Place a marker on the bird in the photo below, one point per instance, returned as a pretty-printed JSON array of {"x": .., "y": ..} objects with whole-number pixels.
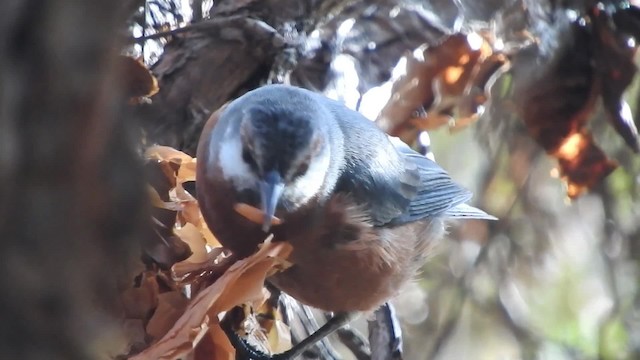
[{"x": 361, "y": 209}]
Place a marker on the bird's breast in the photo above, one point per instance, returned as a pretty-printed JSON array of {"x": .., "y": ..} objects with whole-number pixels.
[{"x": 342, "y": 263}]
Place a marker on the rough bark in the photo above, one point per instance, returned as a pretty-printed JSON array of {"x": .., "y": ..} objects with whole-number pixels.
[
  {"x": 248, "y": 43},
  {"x": 213, "y": 62}
]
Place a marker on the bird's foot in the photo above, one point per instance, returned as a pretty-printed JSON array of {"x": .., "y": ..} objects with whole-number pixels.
[{"x": 249, "y": 352}]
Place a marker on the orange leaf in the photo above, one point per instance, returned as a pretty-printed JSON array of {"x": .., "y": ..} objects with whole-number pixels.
[{"x": 138, "y": 80}]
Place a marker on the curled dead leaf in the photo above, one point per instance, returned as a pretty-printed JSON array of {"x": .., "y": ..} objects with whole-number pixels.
[
  {"x": 215, "y": 282},
  {"x": 171, "y": 305},
  {"x": 214, "y": 345},
  {"x": 192, "y": 236},
  {"x": 138, "y": 81},
  {"x": 242, "y": 283},
  {"x": 139, "y": 302},
  {"x": 180, "y": 270},
  {"x": 167, "y": 153},
  {"x": 582, "y": 164},
  {"x": 447, "y": 80}
]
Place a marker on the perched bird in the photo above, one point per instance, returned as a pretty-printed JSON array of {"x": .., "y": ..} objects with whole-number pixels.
[{"x": 361, "y": 209}]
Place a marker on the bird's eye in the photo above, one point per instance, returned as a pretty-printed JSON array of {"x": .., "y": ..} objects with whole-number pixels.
[{"x": 248, "y": 158}]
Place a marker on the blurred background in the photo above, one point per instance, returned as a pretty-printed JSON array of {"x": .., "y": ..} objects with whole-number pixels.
[
  {"x": 530, "y": 104},
  {"x": 555, "y": 278}
]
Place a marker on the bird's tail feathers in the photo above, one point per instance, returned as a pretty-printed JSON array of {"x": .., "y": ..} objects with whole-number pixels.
[{"x": 464, "y": 211}]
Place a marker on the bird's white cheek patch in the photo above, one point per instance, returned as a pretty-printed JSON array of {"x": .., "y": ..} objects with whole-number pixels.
[
  {"x": 234, "y": 169},
  {"x": 310, "y": 184}
]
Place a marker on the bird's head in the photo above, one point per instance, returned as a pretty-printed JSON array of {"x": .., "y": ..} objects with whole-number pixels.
[{"x": 279, "y": 154}]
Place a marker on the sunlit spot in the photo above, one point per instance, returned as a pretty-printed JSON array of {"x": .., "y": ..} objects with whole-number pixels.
[
  {"x": 418, "y": 54},
  {"x": 625, "y": 112},
  {"x": 572, "y": 146},
  {"x": 400, "y": 69},
  {"x": 574, "y": 190},
  {"x": 572, "y": 15},
  {"x": 345, "y": 85},
  {"x": 395, "y": 11},
  {"x": 631, "y": 42},
  {"x": 374, "y": 100},
  {"x": 475, "y": 41},
  {"x": 452, "y": 74},
  {"x": 424, "y": 139},
  {"x": 345, "y": 27}
]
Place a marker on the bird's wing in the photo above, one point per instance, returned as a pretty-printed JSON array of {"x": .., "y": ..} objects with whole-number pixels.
[
  {"x": 396, "y": 194},
  {"x": 438, "y": 194}
]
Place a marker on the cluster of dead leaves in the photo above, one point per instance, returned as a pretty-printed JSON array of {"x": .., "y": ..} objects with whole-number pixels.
[
  {"x": 444, "y": 84},
  {"x": 448, "y": 84},
  {"x": 189, "y": 281},
  {"x": 592, "y": 61}
]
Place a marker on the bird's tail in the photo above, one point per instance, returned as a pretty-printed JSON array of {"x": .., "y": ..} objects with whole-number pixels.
[{"x": 464, "y": 211}]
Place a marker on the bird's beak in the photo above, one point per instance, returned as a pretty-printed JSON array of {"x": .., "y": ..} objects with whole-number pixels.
[{"x": 270, "y": 190}]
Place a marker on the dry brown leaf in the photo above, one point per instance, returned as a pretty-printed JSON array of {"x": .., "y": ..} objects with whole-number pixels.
[
  {"x": 139, "y": 302},
  {"x": 214, "y": 346},
  {"x": 207, "y": 234},
  {"x": 190, "y": 213},
  {"x": 171, "y": 305},
  {"x": 242, "y": 283},
  {"x": 582, "y": 164},
  {"x": 187, "y": 171},
  {"x": 155, "y": 197},
  {"x": 180, "y": 270},
  {"x": 178, "y": 167},
  {"x": 192, "y": 236},
  {"x": 277, "y": 333},
  {"x": 444, "y": 79},
  {"x": 157, "y": 201},
  {"x": 167, "y": 153},
  {"x": 179, "y": 194},
  {"x": 138, "y": 80}
]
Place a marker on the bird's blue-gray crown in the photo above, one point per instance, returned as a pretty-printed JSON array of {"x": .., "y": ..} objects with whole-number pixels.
[{"x": 278, "y": 139}]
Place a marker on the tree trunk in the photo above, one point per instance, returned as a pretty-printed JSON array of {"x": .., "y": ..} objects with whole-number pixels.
[{"x": 70, "y": 186}]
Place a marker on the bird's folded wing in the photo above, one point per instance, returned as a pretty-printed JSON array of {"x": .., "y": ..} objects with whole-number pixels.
[
  {"x": 438, "y": 194},
  {"x": 396, "y": 194}
]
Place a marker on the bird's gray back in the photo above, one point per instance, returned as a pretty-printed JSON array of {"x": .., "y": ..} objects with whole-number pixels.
[{"x": 374, "y": 173}]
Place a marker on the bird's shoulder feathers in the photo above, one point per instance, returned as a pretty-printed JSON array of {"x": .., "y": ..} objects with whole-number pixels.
[{"x": 398, "y": 184}]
